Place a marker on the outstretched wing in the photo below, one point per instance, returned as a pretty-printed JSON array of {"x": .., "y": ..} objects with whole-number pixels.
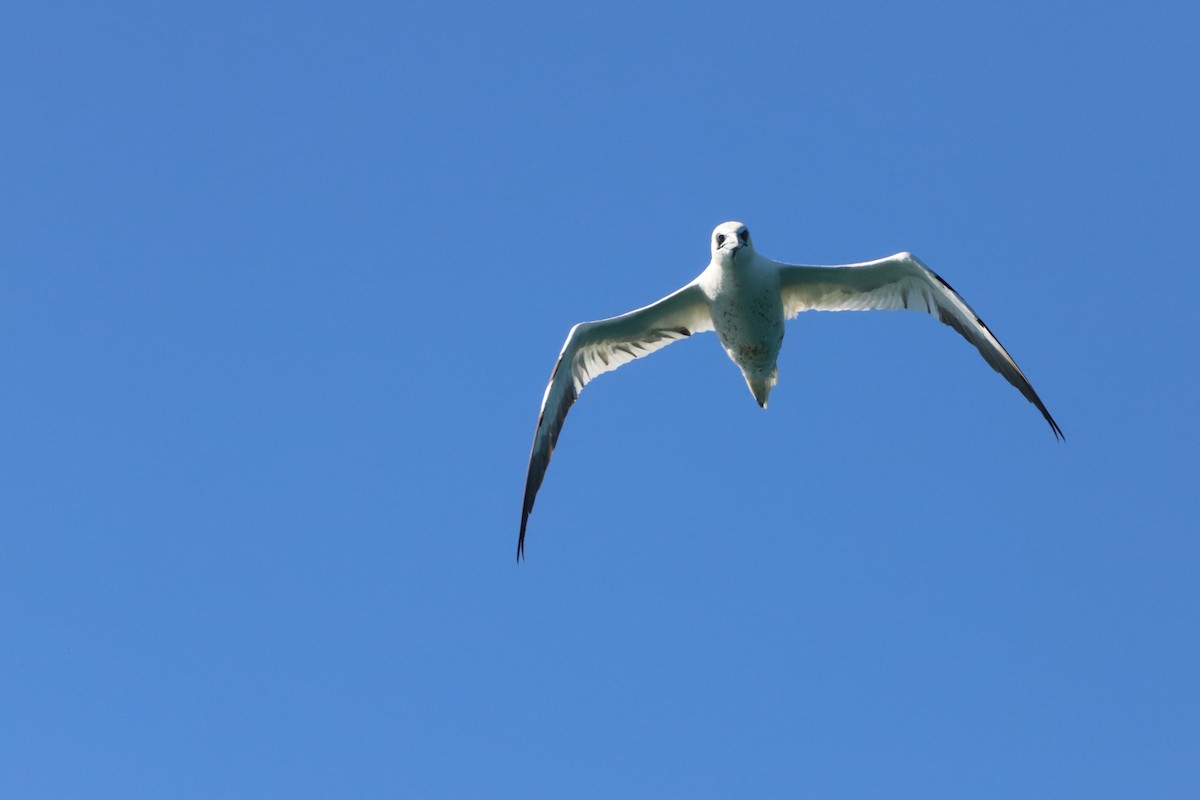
[
  {"x": 593, "y": 348},
  {"x": 900, "y": 282}
]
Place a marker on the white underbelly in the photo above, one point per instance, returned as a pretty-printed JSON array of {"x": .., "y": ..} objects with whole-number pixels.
[{"x": 750, "y": 327}]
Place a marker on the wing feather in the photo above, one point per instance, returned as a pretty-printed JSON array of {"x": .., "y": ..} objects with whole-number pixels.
[
  {"x": 898, "y": 282},
  {"x": 593, "y": 348}
]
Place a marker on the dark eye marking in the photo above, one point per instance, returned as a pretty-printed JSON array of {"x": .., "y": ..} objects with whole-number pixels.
[
  {"x": 744, "y": 235},
  {"x": 720, "y": 239}
]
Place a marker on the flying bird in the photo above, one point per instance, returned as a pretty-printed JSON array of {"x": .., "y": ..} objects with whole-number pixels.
[{"x": 745, "y": 298}]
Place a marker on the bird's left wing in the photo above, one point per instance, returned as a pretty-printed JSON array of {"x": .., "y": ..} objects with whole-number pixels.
[
  {"x": 900, "y": 282},
  {"x": 593, "y": 348}
]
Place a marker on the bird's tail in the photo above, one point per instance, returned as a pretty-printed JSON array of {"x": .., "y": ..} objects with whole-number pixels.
[{"x": 761, "y": 385}]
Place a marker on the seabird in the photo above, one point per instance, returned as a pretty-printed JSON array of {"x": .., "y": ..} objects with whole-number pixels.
[{"x": 745, "y": 298}]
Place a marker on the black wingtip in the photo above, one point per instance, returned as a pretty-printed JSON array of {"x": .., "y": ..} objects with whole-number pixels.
[
  {"x": 521, "y": 539},
  {"x": 1058, "y": 434}
]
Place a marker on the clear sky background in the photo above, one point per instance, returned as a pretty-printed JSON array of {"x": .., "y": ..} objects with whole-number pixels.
[{"x": 281, "y": 285}]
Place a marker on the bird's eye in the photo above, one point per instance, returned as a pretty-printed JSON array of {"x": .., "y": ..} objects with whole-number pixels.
[
  {"x": 720, "y": 239},
  {"x": 744, "y": 235}
]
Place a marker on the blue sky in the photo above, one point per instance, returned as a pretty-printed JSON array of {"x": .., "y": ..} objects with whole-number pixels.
[{"x": 281, "y": 286}]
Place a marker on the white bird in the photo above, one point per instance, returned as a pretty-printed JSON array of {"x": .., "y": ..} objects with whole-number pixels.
[{"x": 745, "y": 298}]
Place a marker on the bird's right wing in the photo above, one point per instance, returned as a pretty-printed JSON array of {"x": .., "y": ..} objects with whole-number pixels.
[{"x": 593, "y": 348}]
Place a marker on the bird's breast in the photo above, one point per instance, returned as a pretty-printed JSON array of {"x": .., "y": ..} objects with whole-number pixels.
[{"x": 749, "y": 322}]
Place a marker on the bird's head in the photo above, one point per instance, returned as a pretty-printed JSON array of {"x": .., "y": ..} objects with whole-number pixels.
[{"x": 729, "y": 241}]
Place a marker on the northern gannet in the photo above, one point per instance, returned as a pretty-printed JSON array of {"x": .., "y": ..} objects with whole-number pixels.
[{"x": 745, "y": 298}]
